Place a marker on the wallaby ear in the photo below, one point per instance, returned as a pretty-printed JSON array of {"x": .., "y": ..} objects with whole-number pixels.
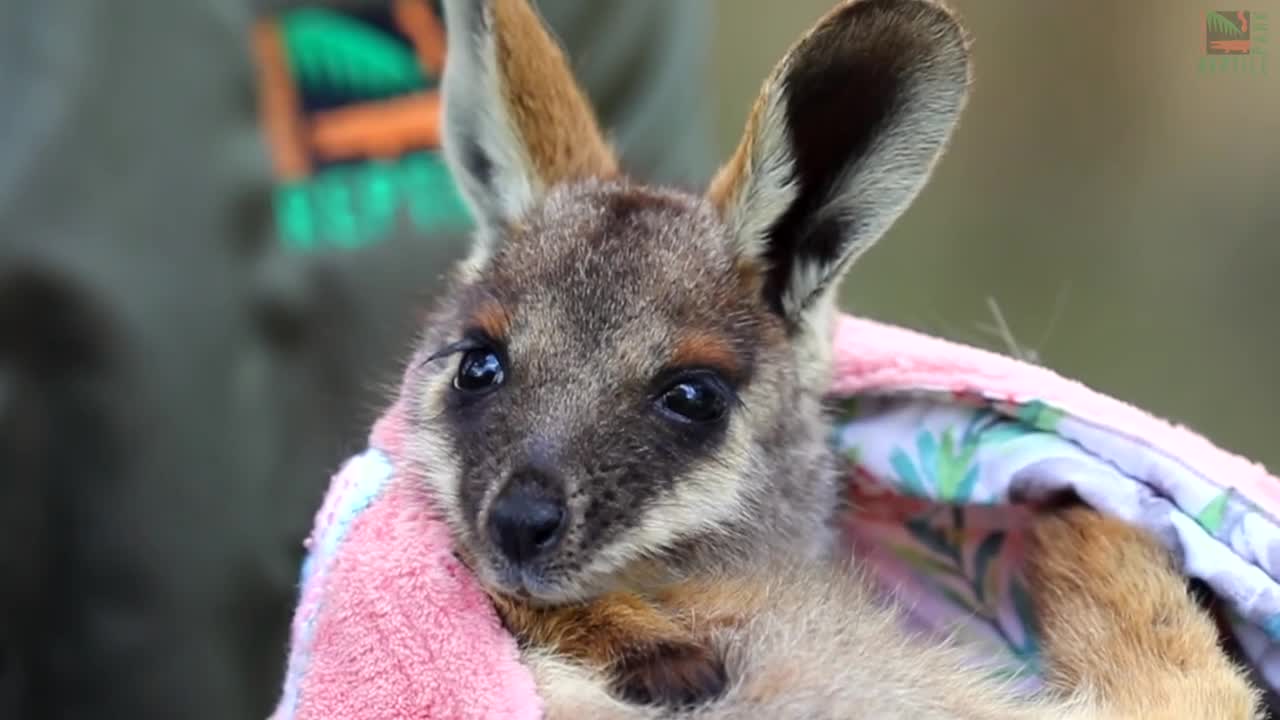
[
  {"x": 515, "y": 121},
  {"x": 842, "y": 137}
]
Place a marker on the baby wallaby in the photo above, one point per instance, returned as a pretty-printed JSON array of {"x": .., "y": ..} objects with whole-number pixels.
[{"x": 618, "y": 408}]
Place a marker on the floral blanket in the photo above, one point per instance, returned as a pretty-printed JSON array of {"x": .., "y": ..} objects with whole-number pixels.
[{"x": 937, "y": 486}]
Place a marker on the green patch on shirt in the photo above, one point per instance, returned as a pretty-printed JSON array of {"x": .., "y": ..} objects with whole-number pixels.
[{"x": 350, "y": 108}]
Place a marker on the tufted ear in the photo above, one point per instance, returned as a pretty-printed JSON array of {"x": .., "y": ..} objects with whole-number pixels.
[
  {"x": 843, "y": 135},
  {"x": 515, "y": 121}
]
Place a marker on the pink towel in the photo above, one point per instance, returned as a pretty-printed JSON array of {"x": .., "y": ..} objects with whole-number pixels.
[{"x": 391, "y": 627}]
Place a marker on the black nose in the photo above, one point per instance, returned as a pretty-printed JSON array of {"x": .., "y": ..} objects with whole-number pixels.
[{"x": 526, "y": 523}]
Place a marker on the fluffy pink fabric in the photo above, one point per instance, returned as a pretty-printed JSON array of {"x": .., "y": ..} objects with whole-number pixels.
[
  {"x": 391, "y": 626},
  {"x": 407, "y": 633},
  {"x": 872, "y": 357}
]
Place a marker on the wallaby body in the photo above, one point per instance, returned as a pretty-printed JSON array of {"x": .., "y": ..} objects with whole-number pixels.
[
  {"x": 1123, "y": 641},
  {"x": 618, "y": 409}
]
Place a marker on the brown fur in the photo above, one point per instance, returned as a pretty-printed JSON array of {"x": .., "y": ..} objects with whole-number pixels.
[
  {"x": 491, "y": 318},
  {"x": 694, "y": 569},
  {"x": 549, "y": 110},
  {"x": 695, "y": 349},
  {"x": 1119, "y": 623},
  {"x": 726, "y": 186},
  {"x": 644, "y": 647},
  {"x": 803, "y": 643}
]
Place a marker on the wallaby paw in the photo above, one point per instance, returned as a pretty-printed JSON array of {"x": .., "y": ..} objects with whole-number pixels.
[
  {"x": 1080, "y": 551},
  {"x": 675, "y": 675},
  {"x": 1096, "y": 580},
  {"x": 1116, "y": 617}
]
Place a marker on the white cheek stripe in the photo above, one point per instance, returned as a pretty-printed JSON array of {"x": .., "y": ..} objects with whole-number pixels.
[{"x": 706, "y": 498}]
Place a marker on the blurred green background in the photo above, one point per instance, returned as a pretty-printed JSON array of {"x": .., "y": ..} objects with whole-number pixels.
[{"x": 1119, "y": 204}]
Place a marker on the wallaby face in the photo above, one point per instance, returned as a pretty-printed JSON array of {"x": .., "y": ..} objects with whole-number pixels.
[{"x": 625, "y": 383}]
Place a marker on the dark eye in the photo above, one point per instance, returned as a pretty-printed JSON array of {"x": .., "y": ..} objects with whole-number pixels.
[
  {"x": 694, "y": 400},
  {"x": 480, "y": 370}
]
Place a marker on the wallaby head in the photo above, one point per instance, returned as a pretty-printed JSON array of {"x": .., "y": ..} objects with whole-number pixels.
[{"x": 626, "y": 380}]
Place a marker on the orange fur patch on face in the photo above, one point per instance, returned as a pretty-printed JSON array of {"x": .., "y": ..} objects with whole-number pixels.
[
  {"x": 548, "y": 109},
  {"x": 493, "y": 319},
  {"x": 705, "y": 349}
]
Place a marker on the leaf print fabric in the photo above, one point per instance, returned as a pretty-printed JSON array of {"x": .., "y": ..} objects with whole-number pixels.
[{"x": 937, "y": 485}]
